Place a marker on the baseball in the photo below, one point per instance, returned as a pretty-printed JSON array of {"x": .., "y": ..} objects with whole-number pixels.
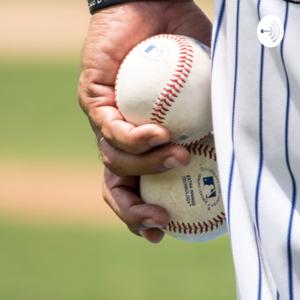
[
  {"x": 166, "y": 80},
  {"x": 191, "y": 195}
]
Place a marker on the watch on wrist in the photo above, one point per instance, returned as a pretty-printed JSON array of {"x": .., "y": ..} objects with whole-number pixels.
[{"x": 95, "y": 5}]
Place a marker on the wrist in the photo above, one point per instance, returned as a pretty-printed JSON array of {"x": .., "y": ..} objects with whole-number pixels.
[
  {"x": 130, "y": 11},
  {"x": 97, "y": 5}
]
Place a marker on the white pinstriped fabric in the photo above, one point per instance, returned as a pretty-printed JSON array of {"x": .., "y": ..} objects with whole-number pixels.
[{"x": 256, "y": 115}]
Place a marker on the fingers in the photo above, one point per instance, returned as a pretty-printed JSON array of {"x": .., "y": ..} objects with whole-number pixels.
[
  {"x": 121, "y": 194},
  {"x": 155, "y": 161},
  {"x": 107, "y": 120},
  {"x": 153, "y": 235},
  {"x": 125, "y": 136},
  {"x": 98, "y": 102},
  {"x": 93, "y": 94}
]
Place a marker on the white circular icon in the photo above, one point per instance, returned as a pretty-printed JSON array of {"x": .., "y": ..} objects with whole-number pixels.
[{"x": 270, "y": 31}]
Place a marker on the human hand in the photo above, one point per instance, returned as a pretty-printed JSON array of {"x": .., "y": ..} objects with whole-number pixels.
[{"x": 126, "y": 150}]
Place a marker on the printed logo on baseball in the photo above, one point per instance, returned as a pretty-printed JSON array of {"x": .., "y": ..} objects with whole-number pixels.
[
  {"x": 191, "y": 194},
  {"x": 166, "y": 80}
]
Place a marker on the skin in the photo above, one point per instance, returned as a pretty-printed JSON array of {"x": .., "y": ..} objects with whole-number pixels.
[{"x": 129, "y": 151}]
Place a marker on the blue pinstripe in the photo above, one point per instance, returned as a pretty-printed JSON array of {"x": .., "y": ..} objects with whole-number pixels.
[
  {"x": 261, "y": 160},
  {"x": 231, "y": 173},
  {"x": 218, "y": 27},
  {"x": 293, "y": 197},
  {"x": 232, "y": 163},
  {"x": 259, "y": 266},
  {"x": 258, "y": 9},
  {"x": 261, "y": 145},
  {"x": 287, "y": 158}
]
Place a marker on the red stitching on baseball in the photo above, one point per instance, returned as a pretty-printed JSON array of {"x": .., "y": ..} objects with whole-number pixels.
[
  {"x": 205, "y": 226},
  {"x": 165, "y": 109},
  {"x": 174, "y": 86},
  {"x": 197, "y": 147},
  {"x": 179, "y": 227},
  {"x": 197, "y": 228},
  {"x": 177, "y": 80},
  {"x": 200, "y": 227},
  {"x": 166, "y": 102},
  {"x": 171, "y": 92},
  {"x": 157, "y": 110}
]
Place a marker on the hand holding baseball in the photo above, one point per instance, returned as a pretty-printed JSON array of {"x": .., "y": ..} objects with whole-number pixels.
[{"x": 113, "y": 32}]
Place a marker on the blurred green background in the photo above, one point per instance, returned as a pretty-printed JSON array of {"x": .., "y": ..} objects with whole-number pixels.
[{"x": 57, "y": 239}]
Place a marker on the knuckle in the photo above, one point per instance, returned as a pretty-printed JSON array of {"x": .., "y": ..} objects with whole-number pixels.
[
  {"x": 81, "y": 98},
  {"x": 89, "y": 88},
  {"x": 113, "y": 159},
  {"x": 106, "y": 133},
  {"x": 86, "y": 76},
  {"x": 113, "y": 165},
  {"x": 107, "y": 161},
  {"x": 86, "y": 90},
  {"x": 86, "y": 99}
]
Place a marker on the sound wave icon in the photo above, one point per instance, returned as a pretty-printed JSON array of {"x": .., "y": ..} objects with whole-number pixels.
[
  {"x": 270, "y": 31},
  {"x": 273, "y": 31}
]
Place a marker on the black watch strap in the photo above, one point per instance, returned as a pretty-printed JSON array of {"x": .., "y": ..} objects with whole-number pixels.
[{"x": 95, "y": 5}]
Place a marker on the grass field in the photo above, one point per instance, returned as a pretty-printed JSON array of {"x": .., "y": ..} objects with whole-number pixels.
[
  {"x": 40, "y": 117},
  {"x": 41, "y": 121},
  {"x": 73, "y": 263}
]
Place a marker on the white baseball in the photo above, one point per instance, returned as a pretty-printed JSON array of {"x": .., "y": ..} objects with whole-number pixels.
[
  {"x": 166, "y": 80},
  {"x": 190, "y": 194}
]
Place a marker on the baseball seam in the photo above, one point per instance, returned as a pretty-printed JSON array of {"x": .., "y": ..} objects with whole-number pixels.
[
  {"x": 199, "y": 227},
  {"x": 198, "y": 148},
  {"x": 177, "y": 81}
]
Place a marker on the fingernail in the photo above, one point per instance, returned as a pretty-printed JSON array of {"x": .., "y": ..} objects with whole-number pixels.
[
  {"x": 171, "y": 162},
  {"x": 149, "y": 223},
  {"x": 155, "y": 141}
]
